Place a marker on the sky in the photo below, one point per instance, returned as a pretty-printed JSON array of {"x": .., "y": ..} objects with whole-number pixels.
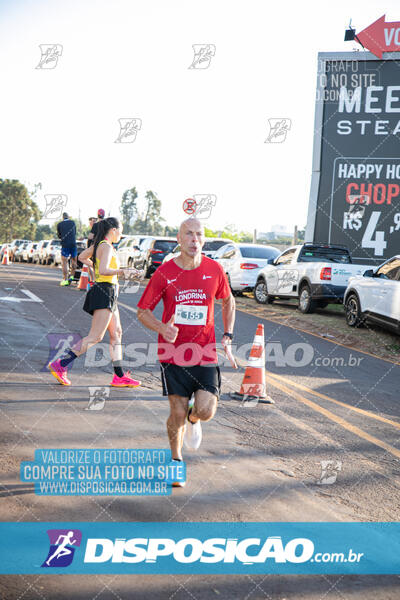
[{"x": 203, "y": 131}]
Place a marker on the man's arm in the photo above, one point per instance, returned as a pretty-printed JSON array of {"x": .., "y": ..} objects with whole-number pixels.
[
  {"x": 168, "y": 330},
  {"x": 228, "y": 313},
  {"x": 58, "y": 230}
]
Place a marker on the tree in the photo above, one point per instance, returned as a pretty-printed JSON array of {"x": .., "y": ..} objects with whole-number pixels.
[
  {"x": 153, "y": 214},
  {"x": 19, "y": 214},
  {"x": 129, "y": 209},
  {"x": 43, "y": 232}
]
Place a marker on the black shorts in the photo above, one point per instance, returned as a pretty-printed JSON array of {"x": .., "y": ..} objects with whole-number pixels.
[
  {"x": 101, "y": 295},
  {"x": 184, "y": 381}
]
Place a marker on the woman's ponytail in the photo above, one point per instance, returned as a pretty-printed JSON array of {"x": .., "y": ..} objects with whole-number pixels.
[{"x": 103, "y": 228}]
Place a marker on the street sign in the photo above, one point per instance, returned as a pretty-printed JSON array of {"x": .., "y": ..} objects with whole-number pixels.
[
  {"x": 355, "y": 188},
  {"x": 380, "y": 37}
]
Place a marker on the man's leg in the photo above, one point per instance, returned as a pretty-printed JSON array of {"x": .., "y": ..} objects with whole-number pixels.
[
  {"x": 205, "y": 406},
  {"x": 64, "y": 264},
  {"x": 176, "y": 423},
  {"x": 73, "y": 266}
]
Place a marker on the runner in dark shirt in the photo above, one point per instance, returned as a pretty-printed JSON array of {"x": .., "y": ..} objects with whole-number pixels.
[{"x": 66, "y": 231}]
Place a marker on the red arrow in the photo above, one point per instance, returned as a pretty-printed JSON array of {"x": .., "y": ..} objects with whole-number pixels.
[{"x": 381, "y": 37}]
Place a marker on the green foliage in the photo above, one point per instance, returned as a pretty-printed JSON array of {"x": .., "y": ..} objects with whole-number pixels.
[
  {"x": 19, "y": 214},
  {"x": 43, "y": 232},
  {"x": 129, "y": 210},
  {"x": 229, "y": 233}
]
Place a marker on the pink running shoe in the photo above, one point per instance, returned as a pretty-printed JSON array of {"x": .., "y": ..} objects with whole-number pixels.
[
  {"x": 59, "y": 372},
  {"x": 125, "y": 381}
]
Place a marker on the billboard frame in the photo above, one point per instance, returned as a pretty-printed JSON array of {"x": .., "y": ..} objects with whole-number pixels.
[{"x": 318, "y": 125}]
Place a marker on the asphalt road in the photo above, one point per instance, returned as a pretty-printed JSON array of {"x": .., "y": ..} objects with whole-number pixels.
[{"x": 260, "y": 462}]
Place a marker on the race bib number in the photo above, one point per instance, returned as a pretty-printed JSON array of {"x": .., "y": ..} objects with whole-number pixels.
[{"x": 186, "y": 314}]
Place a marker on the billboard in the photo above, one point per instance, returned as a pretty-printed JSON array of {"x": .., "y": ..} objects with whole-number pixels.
[{"x": 355, "y": 187}]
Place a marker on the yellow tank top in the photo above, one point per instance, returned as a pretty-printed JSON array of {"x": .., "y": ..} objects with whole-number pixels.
[{"x": 113, "y": 264}]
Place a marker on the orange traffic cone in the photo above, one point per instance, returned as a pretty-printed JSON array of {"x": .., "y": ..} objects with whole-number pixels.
[
  {"x": 84, "y": 278},
  {"x": 253, "y": 387},
  {"x": 6, "y": 260}
]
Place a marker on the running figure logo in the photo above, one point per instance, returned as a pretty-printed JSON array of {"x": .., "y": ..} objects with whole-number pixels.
[
  {"x": 98, "y": 397},
  {"x": 55, "y": 204},
  {"x": 61, "y": 551},
  {"x": 329, "y": 471},
  {"x": 278, "y": 130},
  {"x": 204, "y": 205},
  {"x": 50, "y": 55},
  {"x": 203, "y": 54},
  {"x": 59, "y": 343},
  {"x": 128, "y": 130}
]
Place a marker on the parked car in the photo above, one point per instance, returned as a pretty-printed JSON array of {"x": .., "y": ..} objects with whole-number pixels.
[
  {"x": 42, "y": 251},
  {"x": 375, "y": 296},
  {"x": 19, "y": 250},
  {"x": 243, "y": 262},
  {"x": 27, "y": 254},
  {"x": 316, "y": 274},
  {"x": 15, "y": 245},
  {"x": 49, "y": 254},
  {"x": 36, "y": 252},
  {"x": 152, "y": 253},
  {"x": 211, "y": 245},
  {"x": 129, "y": 251}
]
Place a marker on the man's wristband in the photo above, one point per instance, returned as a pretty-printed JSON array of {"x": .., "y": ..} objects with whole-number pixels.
[{"x": 229, "y": 335}]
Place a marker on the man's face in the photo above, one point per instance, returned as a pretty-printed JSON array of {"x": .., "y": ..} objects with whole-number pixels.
[
  {"x": 191, "y": 238},
  {"x": 91, "y": 222}
]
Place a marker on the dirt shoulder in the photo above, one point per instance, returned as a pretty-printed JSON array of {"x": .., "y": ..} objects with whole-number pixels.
[{"x": 328, "y": 323}]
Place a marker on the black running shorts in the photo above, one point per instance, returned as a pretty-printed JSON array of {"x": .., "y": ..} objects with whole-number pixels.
[
  {"x": 184, "y": 381},
  {"x": 101, "y": 295}
]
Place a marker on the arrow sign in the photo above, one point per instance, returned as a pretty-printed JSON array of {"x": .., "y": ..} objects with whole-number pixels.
[
  {"x": 381, "y": 37},
  {"x": 31, "y": 297}
]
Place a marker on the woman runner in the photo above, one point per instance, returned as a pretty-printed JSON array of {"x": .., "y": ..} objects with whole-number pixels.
[{"x": 101, "y": 303}]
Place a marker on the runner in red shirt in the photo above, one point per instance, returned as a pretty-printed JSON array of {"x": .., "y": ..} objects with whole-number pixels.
[{"x": 190, "y": 374}]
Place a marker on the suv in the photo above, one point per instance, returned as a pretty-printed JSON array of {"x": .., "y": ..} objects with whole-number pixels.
[
  {"x": 14, "y": 246},
  {"x": 375, "y": 296},
  {"x": 50, "y": 250},
  {"x": 153, "y": 251},
  {"x": 19, "y": 251}
]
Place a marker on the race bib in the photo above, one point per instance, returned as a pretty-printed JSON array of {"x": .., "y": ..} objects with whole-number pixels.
[{"x": 187, "y": 314}]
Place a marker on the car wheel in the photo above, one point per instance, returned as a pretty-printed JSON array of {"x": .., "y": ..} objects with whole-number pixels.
[
  {"x": 353, "y": 312},
  {"x": 261, "y": 293},
  {"x": 147, "y": 270},
  {"x": 306, "y": 303}
]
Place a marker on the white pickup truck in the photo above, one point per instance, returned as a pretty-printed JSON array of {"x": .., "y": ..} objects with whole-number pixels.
[{"x": 316, "y": 274}]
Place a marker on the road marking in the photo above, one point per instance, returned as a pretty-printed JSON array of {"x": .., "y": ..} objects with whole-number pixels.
[
  {"x": 366, "y": 413},
  {"x": 338, "y": 420},
  {"x": 31, "y": 297},
  {"x": 127, "y": 307}
]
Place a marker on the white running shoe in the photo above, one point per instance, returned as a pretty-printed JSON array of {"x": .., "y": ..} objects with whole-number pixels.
[{"x": 193, "y": 433}]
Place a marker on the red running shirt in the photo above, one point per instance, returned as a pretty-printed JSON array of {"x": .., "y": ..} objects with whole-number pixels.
[{"x": 189, "y": 294}]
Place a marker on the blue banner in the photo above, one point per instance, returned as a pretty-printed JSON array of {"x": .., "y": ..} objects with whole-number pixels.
[{"x": 215, "y": 548}]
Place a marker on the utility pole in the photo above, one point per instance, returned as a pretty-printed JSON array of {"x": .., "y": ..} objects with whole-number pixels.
[
  {"x": 295, "y": 236},
  {"x": 255, "y": 236}
]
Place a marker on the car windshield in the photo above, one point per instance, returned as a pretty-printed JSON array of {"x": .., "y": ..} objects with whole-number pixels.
[
  {"x": 213, "y": 246},
  {"x": 165, "y": 245},
  {"x": 320, "y": 254},
  {"x": 255, "y": 252}
]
